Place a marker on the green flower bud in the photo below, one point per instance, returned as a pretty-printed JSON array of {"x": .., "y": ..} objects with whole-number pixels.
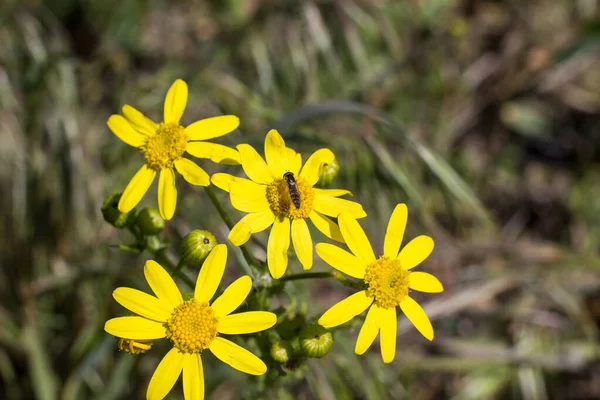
[
  {"x": 281, "y": 351},
  {"x": 113, "y": 216},
  {"x": 196, "y": 246},
  {"x": 315, "y": 341},
  {"x": 328, "y": 173},
  {"x": 150, "y": 222}
]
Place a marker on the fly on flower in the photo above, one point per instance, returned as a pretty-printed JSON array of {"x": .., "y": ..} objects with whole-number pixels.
[
  {"x": 280, "y": 193},
  {"x": 164, "y": 145},
  {"x": 192, "y": 325},
  {"x": 387, "y": 279}
]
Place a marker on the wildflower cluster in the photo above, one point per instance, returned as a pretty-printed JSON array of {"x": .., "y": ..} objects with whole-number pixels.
[{"x": 279, "y": 192}]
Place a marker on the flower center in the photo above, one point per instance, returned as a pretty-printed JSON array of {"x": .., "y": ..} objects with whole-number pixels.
[
  {"x": 166, "y": 146},
  {"x": 192, "y": 326},
  {"x": 281, "y": 198},
  {"x": 388, "y": 282}
]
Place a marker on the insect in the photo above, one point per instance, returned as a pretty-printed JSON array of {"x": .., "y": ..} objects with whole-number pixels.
[{"x": 289, "y": 179}]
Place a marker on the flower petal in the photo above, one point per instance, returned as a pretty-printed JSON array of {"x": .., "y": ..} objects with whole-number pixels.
[
  {"x": 293, "y": 161},
  {"x": 214, "y": 152},
  {"x": 124, "y": 131},
  {"x": 165, "y": 375},
  {"x": 369, "y": 330},
  {"x": 143, "y": 304},
  {"x": 387, "y": 340},
  {"x": 237, "y": 357},
  {"x": 193, "y": 377},
  {"x": 275, "y": 153},
  {"x": 346, "y": 309},
  {"x": 417, "y": 316},
  {"x": 248, "y": 196},
  {"x": 312, "y": 169},
  {"x": 191, "y": 172},
  {"x": 253, "y": 164},
  {"x": 213, "y": 127},
  {"x": 251, "y": 223},
  {"x": 211, "y": 273},
  {"x": 333, "y": 206},
  {"x": 137, "y": 188},
  {"x": 416, "y": 251},
  {"x": 139, "y": 121},
  {"x": 167, "y": 193},
  {"x": 395, "y": 231},
  {"x": 424, "y": 282},
  {"x": 162, "y": 284},
  {"x": 223, "y": 180},
  {"x": 138, "y": 328},
  {"x": 341, "y": 260},
  {"x": 302, "y": 243},
  {"x": 331, "y": 192},
  {"x": 232, "y": 297},
  {"x": 277, "y": 247},
  {"x": 246, "y": 322},
  {"x": 326, "y": 226},
  {"x": 175, "y": 101},
  {"x": 355, "y": 238}
]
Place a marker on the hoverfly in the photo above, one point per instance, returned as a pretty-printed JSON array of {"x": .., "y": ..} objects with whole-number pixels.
[{"x": 289, "y": 179}]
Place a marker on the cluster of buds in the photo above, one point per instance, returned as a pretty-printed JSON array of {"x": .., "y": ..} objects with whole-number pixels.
[{"x": 313, "y": 341}]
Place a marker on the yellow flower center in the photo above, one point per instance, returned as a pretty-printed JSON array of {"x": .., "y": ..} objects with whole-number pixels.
[
  {"x": 388, "y": 282},
  {"x": 192, "y": 326},
  {"x": 166, "y": 146},
  {"x": 280, "y": 199}
]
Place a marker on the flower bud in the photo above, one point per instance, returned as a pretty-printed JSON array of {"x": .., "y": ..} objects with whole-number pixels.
[
  {"x": 132, "y": 346},
  {"x": 315, "y": 341},
  {"x": 281, "y": 351},
  {"x": 328, "y": 173},
  {"x": 196, "y": 246},
  {"x": 113, "y": 216},
  {"x": 150, "y": 222}
]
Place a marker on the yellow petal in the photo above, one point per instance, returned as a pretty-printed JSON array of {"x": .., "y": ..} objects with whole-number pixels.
[
  {"x": 237, "y": 357},
  {"x": 162, "y": 284},
  {"x": 332, "y": 192},
  {"x": 165, "y": 375},
  {"x": 326, "y": 226},
  {"x": 251, "y": 223},
  {"x": 143, "y": 304},
  {"x": 416, "y": 251},
  {"x": 417, "y": 316},
  {"x": 124, "y": 131},
  {"x": 302, "y": 243},
  {"x": 223, "y": 181},
  {"x": 193, "y": 377},
  {"x": 211, "y": 273},
  {"x": 369, "y": 330},
  {"x": 138, "y": 328},
  {"x": 139, "y": 121},
  {"x": 424, "y": 282},
  {"x": 191, "y": 172},
  {"x": 312, "y": 169},
  {"x": 275, "y": 153},
  {"x": 341, "y": 260},
  {"x": 355, "y": 238},
  {"x": 248, "y": 196},
  {"x": 137, "y": 188},
  {"x": 387, "y": 340},
  {"x": 395, "y": 231},
  {"x": 277, "y": 247},
  {"x": 293, "y": 161},
  {"x": 232, "y": 297},
  {"x": 212, "y": 127},
  {"x": 333, "y": 206},
  {"x": 175, "y": 101},
  {"x": 346, "y": 309},
  {"x": 253, "y": 164},
  {"x": 246, "y": 322},
  {"x": 167, "y": 193},
  {"x": 214, "y": 152}
]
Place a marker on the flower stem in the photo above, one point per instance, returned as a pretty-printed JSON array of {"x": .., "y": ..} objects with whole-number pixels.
[
  {"x": 308, "y": 275},
  {"x": 161, "y": 258}
]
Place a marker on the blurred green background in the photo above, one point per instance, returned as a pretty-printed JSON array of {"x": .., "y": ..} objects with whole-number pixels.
[{"x": 482, "y": 115}]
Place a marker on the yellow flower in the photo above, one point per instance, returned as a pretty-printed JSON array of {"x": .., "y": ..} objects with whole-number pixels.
[
  {"x": 164, "y": 145},
  {"x": 285, "y": 202},
  {"x": 192, "y": 325},
  {"x": 387, "y": 279}
]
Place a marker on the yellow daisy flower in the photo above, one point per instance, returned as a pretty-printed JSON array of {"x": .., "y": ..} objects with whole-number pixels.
[
  {"x": 192, "y": 326},
  {"x": 164, "y": 145},
  {"x": 387, "y": 278},
  {"x": 280, "y": 193}
]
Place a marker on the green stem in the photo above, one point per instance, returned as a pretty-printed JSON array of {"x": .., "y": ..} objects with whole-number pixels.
[
  {"x": 308, "y": 275},
  {"x": 161, "y": 258},
  {"x": 177, "y": 268}
]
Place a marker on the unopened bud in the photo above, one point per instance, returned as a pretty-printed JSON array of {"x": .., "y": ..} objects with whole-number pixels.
[
  {"x": 150, "y": 222},
  {"x": 113, "y": 216},
  {"x": 315, "y": 340},
  {"x": 196, "y": 246},
  {"x": 281, "y": 351},
  {"x": 329, "y": 172}
]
